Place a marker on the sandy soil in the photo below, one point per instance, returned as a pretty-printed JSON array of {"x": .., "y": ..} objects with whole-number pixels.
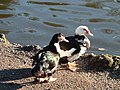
[{"x": 15, "y": 67}]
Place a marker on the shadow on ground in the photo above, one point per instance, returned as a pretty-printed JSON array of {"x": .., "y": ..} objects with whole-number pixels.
[
  {"x": 9, "y": 86},
  {"x": 13, "y": 74}
]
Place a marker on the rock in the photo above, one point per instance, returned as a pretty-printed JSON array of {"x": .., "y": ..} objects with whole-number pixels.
[
  {"x": 101, "y": 62},
  {"x": 30, "y": 48}
]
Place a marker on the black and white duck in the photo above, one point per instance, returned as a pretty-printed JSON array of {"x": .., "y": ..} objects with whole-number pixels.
[
  {"x": 77, "y": 45},
  {"x": 53, "y": 45},
  {"x": 46, "y": 61},
  {"x": 3, "y": 39}
]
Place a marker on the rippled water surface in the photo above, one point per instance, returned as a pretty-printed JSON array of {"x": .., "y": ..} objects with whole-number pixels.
[{"x": 35, "y": 21}]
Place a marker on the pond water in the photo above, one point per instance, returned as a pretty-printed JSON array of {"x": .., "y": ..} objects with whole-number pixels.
[{"x": 35, "y": 21}]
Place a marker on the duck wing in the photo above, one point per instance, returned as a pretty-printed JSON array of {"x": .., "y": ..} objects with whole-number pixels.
[{"x": 72, "y": 44}]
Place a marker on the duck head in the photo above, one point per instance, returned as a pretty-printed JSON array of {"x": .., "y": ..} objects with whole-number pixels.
[
  {"x": 58, "y": 37},
  {"x": 83, "y": 30}
]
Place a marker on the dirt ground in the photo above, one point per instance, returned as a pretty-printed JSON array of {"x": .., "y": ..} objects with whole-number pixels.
[{"x": 15, "y": 67}]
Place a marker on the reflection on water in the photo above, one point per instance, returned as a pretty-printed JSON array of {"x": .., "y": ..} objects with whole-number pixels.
[
  {"x": 53, "y": 24},
  {"x": 4, "y": 31},
  {"x": 93, "y": 5},
  {"x": 108, "y": 31},
  {"x": 35, "y": 21},
  {"x": 61, "y": 10},
  {"x": 4, "y": 4},
  {"x": 95, "y": 20},
  {"x": 5, "y": 15},
  {"x": 34, "y": 18},
  {"x": 114, "y": 12},
  {"x": 3, "y": 7},
  {"x": 48, "y": 3}
]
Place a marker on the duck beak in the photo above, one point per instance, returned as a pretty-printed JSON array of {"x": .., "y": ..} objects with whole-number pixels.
[
  {"x": 64, "y": 39},
  {"x": 90, "y": 34}
]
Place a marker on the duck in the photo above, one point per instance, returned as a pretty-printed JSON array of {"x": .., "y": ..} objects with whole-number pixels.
[
  {"x": 78, "y": 44},
  {"x": 3, "y": 39},
  {"x": 46, "y": 66},
  {"x": 53, "y": 46},
  {"x": 46, "y": 61}
]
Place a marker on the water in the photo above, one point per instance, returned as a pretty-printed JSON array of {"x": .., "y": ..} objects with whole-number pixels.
[{"x": 35, "y": 21}]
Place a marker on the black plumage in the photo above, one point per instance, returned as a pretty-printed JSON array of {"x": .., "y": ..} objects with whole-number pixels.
[
  {"x": 73, "y": 43},
  {"x": 46, "y": 65}
]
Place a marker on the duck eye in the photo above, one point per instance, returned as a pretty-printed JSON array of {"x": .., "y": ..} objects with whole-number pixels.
[
  {"x": 86, "y": 31},
  {"x": 61, "y": 35}
]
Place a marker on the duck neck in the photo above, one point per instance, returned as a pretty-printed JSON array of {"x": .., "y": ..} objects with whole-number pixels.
[
  {"x": 53, "y": 40},
  {"x": 83, "y": 40},
  {"x": 80, "y": 38},
  {"x": 57, "y": 46},
  {"x": 54, "y": 46},
  {"x": 76, "y": 36}
]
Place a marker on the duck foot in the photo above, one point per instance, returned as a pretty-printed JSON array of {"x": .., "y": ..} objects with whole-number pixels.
[
  {"x": 72, "y": 66},
  {"x": 44, "y": 80},
  {"x": 47, "y": 79},
  {"x": 51, "y": 79},
  {"x": 40, "y": 80}
]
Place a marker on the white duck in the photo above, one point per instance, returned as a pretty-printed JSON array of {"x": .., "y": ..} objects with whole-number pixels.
[{"x": 77, "y": 45}]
